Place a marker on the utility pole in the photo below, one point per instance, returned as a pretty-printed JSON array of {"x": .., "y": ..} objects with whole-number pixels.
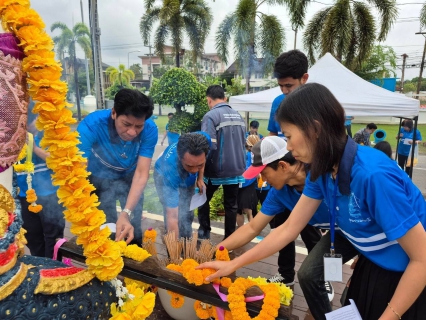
[
  {"x": 95, "y": 32},
  {"x": 86, "y": 63},
  {"x": 404, "y": 57},
  {"x": 419, "y": 83},
  {"x": 150, "y": 64}
]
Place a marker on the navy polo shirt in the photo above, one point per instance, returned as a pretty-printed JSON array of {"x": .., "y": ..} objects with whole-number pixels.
[
  {"x": 174, "y": 175},
  {"x": 404, "y": 149},
  {"x": 377, "y": 204},
  {"x": 277, "y": 201},
  {"x": 109, "y": 156},
  {"x": 273, "y": 125}
]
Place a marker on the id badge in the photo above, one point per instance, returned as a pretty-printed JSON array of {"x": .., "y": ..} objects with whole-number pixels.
[{"x": 333, "y": 267}]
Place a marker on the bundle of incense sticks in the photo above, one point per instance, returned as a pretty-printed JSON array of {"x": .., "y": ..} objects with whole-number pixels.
[
  {"x": 187, "y": 246},
  {"x": 206, "y": 251},
  {"x": 150, "y": 247}
]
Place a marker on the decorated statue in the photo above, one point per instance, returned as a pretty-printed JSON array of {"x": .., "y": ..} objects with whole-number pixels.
[{"x": 42, "y": 288}]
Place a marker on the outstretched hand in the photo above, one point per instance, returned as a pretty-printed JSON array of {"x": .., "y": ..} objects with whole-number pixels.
[
  {"x": 223, "y": 268},
  {"x": 125, "y": 229}
]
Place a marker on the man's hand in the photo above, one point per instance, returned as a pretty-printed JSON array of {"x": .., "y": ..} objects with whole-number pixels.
[
  {"x": 201, "y": 185},
  {"x": 125, "y": 229}
]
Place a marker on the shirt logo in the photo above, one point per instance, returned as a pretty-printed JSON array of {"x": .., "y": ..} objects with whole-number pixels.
[{"x": 355, "y": 210}]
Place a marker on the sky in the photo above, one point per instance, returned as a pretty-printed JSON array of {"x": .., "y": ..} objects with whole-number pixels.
[{"x": 121, "y": 40}]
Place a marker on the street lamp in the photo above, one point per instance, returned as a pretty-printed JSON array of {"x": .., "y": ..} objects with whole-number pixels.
[{"x": 128, "y": 57}]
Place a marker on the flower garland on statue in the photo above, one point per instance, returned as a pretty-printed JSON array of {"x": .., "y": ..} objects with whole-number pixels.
[
  {"x": 103, "y": 255},
  {"x": 28, "y": 167}
]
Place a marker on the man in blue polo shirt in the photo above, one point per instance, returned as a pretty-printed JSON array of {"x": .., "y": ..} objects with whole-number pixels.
[
  {"x": 119, "y": 145},
  {"x": 291, "y": 71},
  {"x": 177, "y": 170}
]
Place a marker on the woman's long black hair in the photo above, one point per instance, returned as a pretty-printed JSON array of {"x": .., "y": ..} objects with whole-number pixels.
[{"x": 317, "y": 113}]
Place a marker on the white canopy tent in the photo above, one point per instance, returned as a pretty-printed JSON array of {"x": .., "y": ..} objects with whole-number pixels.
[{"x": 357, "y": 96}]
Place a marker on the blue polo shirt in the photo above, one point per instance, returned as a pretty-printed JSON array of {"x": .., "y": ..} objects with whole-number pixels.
[
  {"x": 348, "y": 121},
  {"x": 377, "y": 204},
  {"x": 172, "y": 137},
  {"x": 273, "y": 125},
  {"x": 174, "y": 175},
  {"x": 249, "y": 160},
  {"x": 42, "y": 178},
  {"x": 277, "y": 201},
  {"x": 404, "y": 149},
  {"x": 109, "y": 156}
]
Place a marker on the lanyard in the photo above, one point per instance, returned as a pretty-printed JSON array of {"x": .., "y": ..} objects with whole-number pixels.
[{"x": 333, "y": 215}]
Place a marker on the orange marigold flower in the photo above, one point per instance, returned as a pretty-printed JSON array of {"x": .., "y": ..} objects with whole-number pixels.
[
  {"x": 150, "y": 234},
  {"x": 35, "y": 208},
  {"x": 222, "y": 254}
]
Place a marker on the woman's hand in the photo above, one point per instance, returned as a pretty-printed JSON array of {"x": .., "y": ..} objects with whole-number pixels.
[{"x": 223, "y": 268}]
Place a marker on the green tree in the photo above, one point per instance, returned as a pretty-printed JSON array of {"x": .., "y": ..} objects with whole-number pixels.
[
  {"x": 114, "y": 88},
  {"x": 177, "y": 17},
  {"x": 121, "y": 75},
  {"x": 66, "y": 42},
  {"x": 252, "y": 32},
  {"x": 380, "y": 64},
  {"x": 190, "y": 92},
  {"x": 409, "y": 87},
  {"x": 235, "y": 88},
  {"x": 347, "y": 30},
  {"x": 137, "y": 70}
]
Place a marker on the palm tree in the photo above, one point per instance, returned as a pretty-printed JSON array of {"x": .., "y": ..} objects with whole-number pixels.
[
  {"x": 252, "y": 32},
  {"x": 176, "y": 17},
  {"x": 347, "y": 30},
  {"x": 66, "y": 42},
  {"x": 122, "y": 75}
]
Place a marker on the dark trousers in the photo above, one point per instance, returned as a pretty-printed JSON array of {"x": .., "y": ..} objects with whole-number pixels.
[
  {"x": 230, "y": 194},
  {"x": 349, "y": 130},
  {"x": 287, "y": 255},
  {"x": 111, "y": 190},
  {"x": 311, "y": 273},
  {"x": 185, "y": 216},
  {"x": 45, "y": 227},
  {"x": 402, "y": 162}
]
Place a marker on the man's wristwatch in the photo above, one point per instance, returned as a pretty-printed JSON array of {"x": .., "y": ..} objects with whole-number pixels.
[{"x": 129, "y": 212}]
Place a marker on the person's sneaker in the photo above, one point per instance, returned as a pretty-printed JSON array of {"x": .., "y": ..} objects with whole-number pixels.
[
  {"x": 330, "y": 290},
  {"x": 279, "y": 278}
]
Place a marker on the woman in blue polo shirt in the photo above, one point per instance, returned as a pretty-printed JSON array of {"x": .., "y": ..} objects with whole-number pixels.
[
  {"x": 374, "y": 203},
  {"x": 406, "y": 136},
  {"x": 119, "y": 145}
]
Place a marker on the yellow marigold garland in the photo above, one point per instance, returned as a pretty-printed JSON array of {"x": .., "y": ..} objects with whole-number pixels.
[
  {"x": 286, "y": 294},
  {"x": 28, "y": 167},
  {"x": 104, "y": 256},
  {"x": 271, "y": 301}
]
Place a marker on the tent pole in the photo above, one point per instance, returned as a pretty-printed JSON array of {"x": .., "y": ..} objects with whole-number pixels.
[
  {"x": 247, "y": 120},
  {"x": 416, "y": 119},
  {"x": 397, "y": 141}
]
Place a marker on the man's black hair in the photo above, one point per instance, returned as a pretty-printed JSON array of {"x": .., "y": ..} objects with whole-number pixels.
[
  {"x": 293, "y": 64},
  {"x": 215, "y": 92},
  {"x": 170, "y": 114},
  {"x": 132, "y": 102},
  {"x": 193, "y": 143},
  {"x": 371, "y": 126},
  {"x": 254, "y": 124}
]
